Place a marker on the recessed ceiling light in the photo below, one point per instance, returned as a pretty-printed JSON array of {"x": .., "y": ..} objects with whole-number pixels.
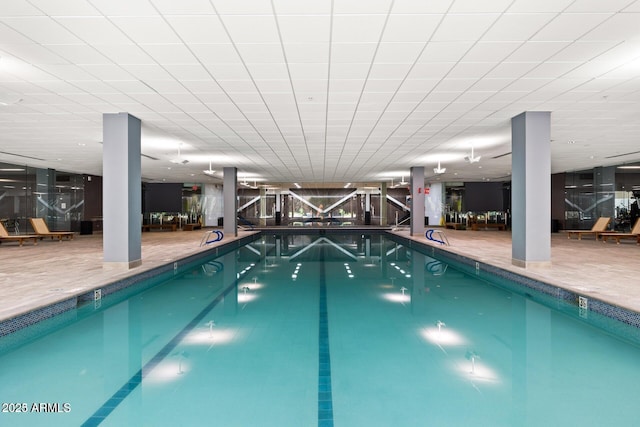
[{"x": 571, "y": 141}]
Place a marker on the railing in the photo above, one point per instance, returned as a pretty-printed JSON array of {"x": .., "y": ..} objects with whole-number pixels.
[
  {"x": 209, "y": 237},
  {"x": 442, "y": 237}
]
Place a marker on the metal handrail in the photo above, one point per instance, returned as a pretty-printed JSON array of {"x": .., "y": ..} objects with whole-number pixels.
[{"x": 429, "y": 235}]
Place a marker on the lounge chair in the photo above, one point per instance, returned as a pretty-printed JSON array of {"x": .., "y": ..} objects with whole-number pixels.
[
  {"x": 598, "y": 228},
  {"x": 634, "y": 234},
  {"x": 5, "y": 236},
  {"x": 41, "y": 229}
]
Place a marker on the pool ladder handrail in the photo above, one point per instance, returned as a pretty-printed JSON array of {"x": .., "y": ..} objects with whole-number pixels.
[
  {"x": 429, "y": 235},
  {"x": 205, "y": 237}
]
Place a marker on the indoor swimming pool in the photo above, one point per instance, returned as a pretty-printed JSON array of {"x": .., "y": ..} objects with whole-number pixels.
[{"x": 302, "y": 330}]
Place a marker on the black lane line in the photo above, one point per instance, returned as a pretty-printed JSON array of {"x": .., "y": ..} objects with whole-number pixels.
[
  {"x": 325, "y": 399},
  {"x": 133, "y": 382}
]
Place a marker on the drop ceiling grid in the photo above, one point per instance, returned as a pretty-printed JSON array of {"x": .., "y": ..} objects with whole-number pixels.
[{"x": 382, "y": 84}]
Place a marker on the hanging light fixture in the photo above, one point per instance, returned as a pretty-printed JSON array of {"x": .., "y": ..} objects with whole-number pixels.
[
  {"x": 209, "y": 171},
  {"x": 471, "y": 158},
  {"x": 439, "y": 170},
  {"x": 179, "y": 159}
]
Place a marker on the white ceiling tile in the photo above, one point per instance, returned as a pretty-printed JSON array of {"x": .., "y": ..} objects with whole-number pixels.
[
  {"x": 183, "y": 7},
  {"x": 147, "y": 29},
  {"x": 268, "y": 71},
  {"x": 410, "y": 28},
  {"x": 263, "y": 53},
  {"x": 310, "y": 52},
  {"x": 187, "y": 71},
  {"x": 308, "y": 71},
  {"x": 387, "y": 85},
  {"x": 274, "y": 85},
  {"x": 34, "y": 54},
  {"x": 527, "y": 6},
  {"x": 168, "y": 86},
  {"x": 471, "y": 6},
  {"x": 80, "y": 54},
  {"x": 130, "y": 87},
  {"x": 357, "y": 28},
  {"x": 537, "y": 51},
  {"x": 352, "y": 52},
  {"x": 301, "y": 7},
  {"x": 204, "y": 88},
  {"x": 434, "y": 70},
  {"x": 398, "y": 52},
  {"x": 349, "y": 71},
  {"x": 528, "y": 84},
  {"x": 41, "y": 29},
  {"x": 67, "y": 72},
  {"x": 252, "y": 28},
  {"x": 389, "y": 71},
  {"x": 634, "y": 7},
  {"x": 463, "y": 27},
  {"x": 305, "y": 87},
  {"x": 147, "y": 71},
  {"x": 552, "y": 69},
  {"x": 512, "y": 70},
  {"x": 597, "y": 6},
  {"x": 126, "y": 54},
  {"x": 18, "y": 8},
  {"x": 233, "y": 71},
  {"x": 96, "y": 87},
  {"x": 355, "y": 6},
  {"x": 570, "y": 27},
  {"x": 9, "y": 36},
  {"x": 245, "y": 7},
  {"x": 517, "y": 27},
  {"x": 491, "y": 84},
  {"x": 622, "y": 26},
  {"x": 420, "y": 6},
  {"x": 305, "y": 29},
  {"x": 470, "y": 69},
  {"x": 170, "y": 53},
  {"x": 445, "y": 51},
  {"x": 117, "y": 8},
  {"x": 582, "y": 51},
  {"x": 95, "y": 30},
  {"x": 419, "y": 85},
  {"x": 65, "y": 7},
  {"x": 203, "y": 29},
  {"x": 215, "y": 53},
  {"x": 490, "y": 51}
]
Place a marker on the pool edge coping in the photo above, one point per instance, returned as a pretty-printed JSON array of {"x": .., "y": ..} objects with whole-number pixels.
[{"x": 49, "y": 309}]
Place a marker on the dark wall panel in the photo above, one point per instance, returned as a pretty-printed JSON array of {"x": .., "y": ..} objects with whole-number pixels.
[
  {"x": 483, "y": 196},
  {"x": 162, "y": 197}
]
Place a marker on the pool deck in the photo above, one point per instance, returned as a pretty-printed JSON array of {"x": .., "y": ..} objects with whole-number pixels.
[{"x": 34, "y": 276}]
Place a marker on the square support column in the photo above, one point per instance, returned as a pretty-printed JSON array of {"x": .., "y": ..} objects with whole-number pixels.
[
  {"x": 229, "y": 189},
  {"x": 531, "y": 189},
  {"x": 122, "y": 191},
  {"x": 417, "y": 201}
]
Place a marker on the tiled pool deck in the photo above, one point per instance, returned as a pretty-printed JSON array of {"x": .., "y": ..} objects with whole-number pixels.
[{"x": 36, "y": 276}]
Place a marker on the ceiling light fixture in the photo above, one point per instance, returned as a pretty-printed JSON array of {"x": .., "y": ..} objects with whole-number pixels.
[
  {"x": 439, "y": 170},
  {"x": 471, "y": 158},
  {"x": 179, "y": 159},
  {"x": 209, "y": 171}
]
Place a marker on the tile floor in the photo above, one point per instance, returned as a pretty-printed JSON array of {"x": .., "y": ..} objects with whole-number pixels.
[{"x": 34, "y": 276}]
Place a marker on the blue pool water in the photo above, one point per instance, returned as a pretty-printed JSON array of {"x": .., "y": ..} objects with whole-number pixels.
[{"x": 323, "y": 330}]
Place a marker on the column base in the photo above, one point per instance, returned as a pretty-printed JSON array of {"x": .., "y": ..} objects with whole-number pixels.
[
  {"x": 120, "y": 266},
  {"x": 530, "y": 264}
]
